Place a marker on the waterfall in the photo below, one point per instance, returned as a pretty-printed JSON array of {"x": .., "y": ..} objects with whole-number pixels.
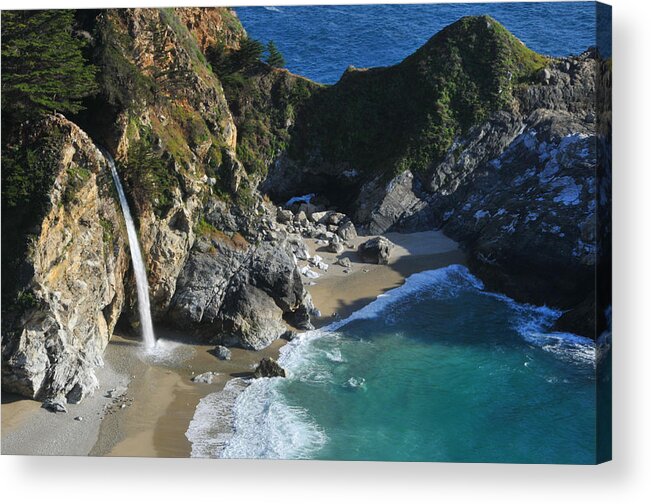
[{"x": 138, "y": 264}]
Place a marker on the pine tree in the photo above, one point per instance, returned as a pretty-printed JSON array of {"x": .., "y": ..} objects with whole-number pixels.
[
  {"x": 43, "y": 68},
  {"x": 248, "y": 54},
  {"x": 274, "y": 57}
]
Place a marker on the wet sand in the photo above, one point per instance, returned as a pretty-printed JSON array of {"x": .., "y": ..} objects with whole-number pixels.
[
  {"x": 165, "y": 397},
  {"x": 160, "y": 397},
  {"x": 338, "y": 294}
]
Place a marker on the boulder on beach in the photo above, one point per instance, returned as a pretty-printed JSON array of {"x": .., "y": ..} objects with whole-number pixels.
[
  {"x": 222, "y": 353},
  {"x": 55, "y": 405},
  {"x": 268, "y": 368},
  {"x": 376, "y": 250},
  {"x": 344, "y": 262},
  {"x": 250, "y": 318},
  {"x": 347, "y": 231},
  {"x": 335, "y": 247}
]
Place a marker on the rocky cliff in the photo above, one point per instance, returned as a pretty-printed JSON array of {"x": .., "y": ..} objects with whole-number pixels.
[
  {"x": 70, "y": 284},
  {"x": 478, "y": 136},
  {"x": 163, "y": 114},
  {"x": 474, "y": 134}
]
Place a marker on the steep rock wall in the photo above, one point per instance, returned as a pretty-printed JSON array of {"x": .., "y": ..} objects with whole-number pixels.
[{"x": 78, "y": 258}]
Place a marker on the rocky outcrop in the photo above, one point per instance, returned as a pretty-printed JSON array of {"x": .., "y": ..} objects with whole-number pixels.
[
  {"x": 77, "y": 261},
  {"x": 240, "y": 294},
  {"x": 211, "y": 26},
  {"x": 269, "y": 368},
  {"x": 515, "y": 184}
]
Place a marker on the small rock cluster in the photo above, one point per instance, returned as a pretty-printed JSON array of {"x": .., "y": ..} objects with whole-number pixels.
[
  {"x": 120, "y": 401},
  {"x": 269, "y": 368},
  {"x": 331, "y": 229}
]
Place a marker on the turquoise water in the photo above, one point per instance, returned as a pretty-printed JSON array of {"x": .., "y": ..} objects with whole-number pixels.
[{"x": 436, "y": 370}]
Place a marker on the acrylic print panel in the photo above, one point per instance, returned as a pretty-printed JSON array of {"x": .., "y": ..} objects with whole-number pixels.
[{"x": 376, "y": 232}]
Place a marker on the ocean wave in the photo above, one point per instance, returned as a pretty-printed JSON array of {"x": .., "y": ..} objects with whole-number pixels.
[
  {"x": 213, "y": 424},
  {"x": 566, "y": 346},
  {"x": 533, "y": 322},
  {"x": 266, "y": 426},
  {"x": 441, "y": 283}
]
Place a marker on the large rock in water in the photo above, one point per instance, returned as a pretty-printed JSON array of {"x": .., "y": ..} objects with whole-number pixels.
[
  {"x": 269, "y": 368},
  {"x": 70, "y": 285},
  {"x": 376, "y": 250}
]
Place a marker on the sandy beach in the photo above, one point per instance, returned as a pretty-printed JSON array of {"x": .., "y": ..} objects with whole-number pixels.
[{"x": 155, "y": 397}]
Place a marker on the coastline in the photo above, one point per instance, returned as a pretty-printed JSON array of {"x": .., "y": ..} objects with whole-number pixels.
[{"x": 160, "y": 398}]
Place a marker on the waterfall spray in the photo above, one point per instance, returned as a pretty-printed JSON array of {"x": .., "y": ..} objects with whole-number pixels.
[{"x": 138, "y": 264}]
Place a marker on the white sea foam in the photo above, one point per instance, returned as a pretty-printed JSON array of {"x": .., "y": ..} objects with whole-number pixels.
[
  {"x": 334, "y": 355},
  {"x": 533, "y": 322},
  {"x": 266, "y": 426},
  {"x": 212, "y": 426},
  {"x": 356, "y": 382}
]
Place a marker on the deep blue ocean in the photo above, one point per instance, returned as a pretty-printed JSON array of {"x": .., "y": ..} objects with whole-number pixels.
[
  {"x": 319, "y": 42},
  {"x": 438, "y": 369}
]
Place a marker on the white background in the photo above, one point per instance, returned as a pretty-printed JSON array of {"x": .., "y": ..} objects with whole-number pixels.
[{"x": 625, "y": 480}]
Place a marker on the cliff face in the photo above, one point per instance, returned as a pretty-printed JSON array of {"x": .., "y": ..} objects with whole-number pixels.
[
  {"x": 71, "y": 291},
  {"x": 164, "y": 115},
  {"x": 478, "y": 136}
]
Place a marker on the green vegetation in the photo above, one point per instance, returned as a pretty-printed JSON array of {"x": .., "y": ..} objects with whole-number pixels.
[
  {"x": 121, "y": 82},
  {"x": 192, "y": 124},
  {"x": 249, "y": 53},
  {"x": 43, "y": 68},
  {"x": 27, "y": 175},
  {"x": 388, "y": 120},
  {"x": 27, "y": 178},
  {"x": 150, "y": 183},
  {"x": 264, "y": 102},
  {"x": 274, "y": 57},
  {"x": 203, "y": 227},
  {"x": 226, "y": 62},
  {"x": 77, "y": 177},
  {"x": 26, "y": 300},
  {"x": 107, "y": 231}
]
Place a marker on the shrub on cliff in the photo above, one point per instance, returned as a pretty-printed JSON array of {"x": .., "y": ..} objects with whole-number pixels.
[
  {"x": 225, "y": 62},
  {"x": 43, "y": 68},
  {"x": 149, "y": 182},
  {"x": 274, "y": 57}
]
